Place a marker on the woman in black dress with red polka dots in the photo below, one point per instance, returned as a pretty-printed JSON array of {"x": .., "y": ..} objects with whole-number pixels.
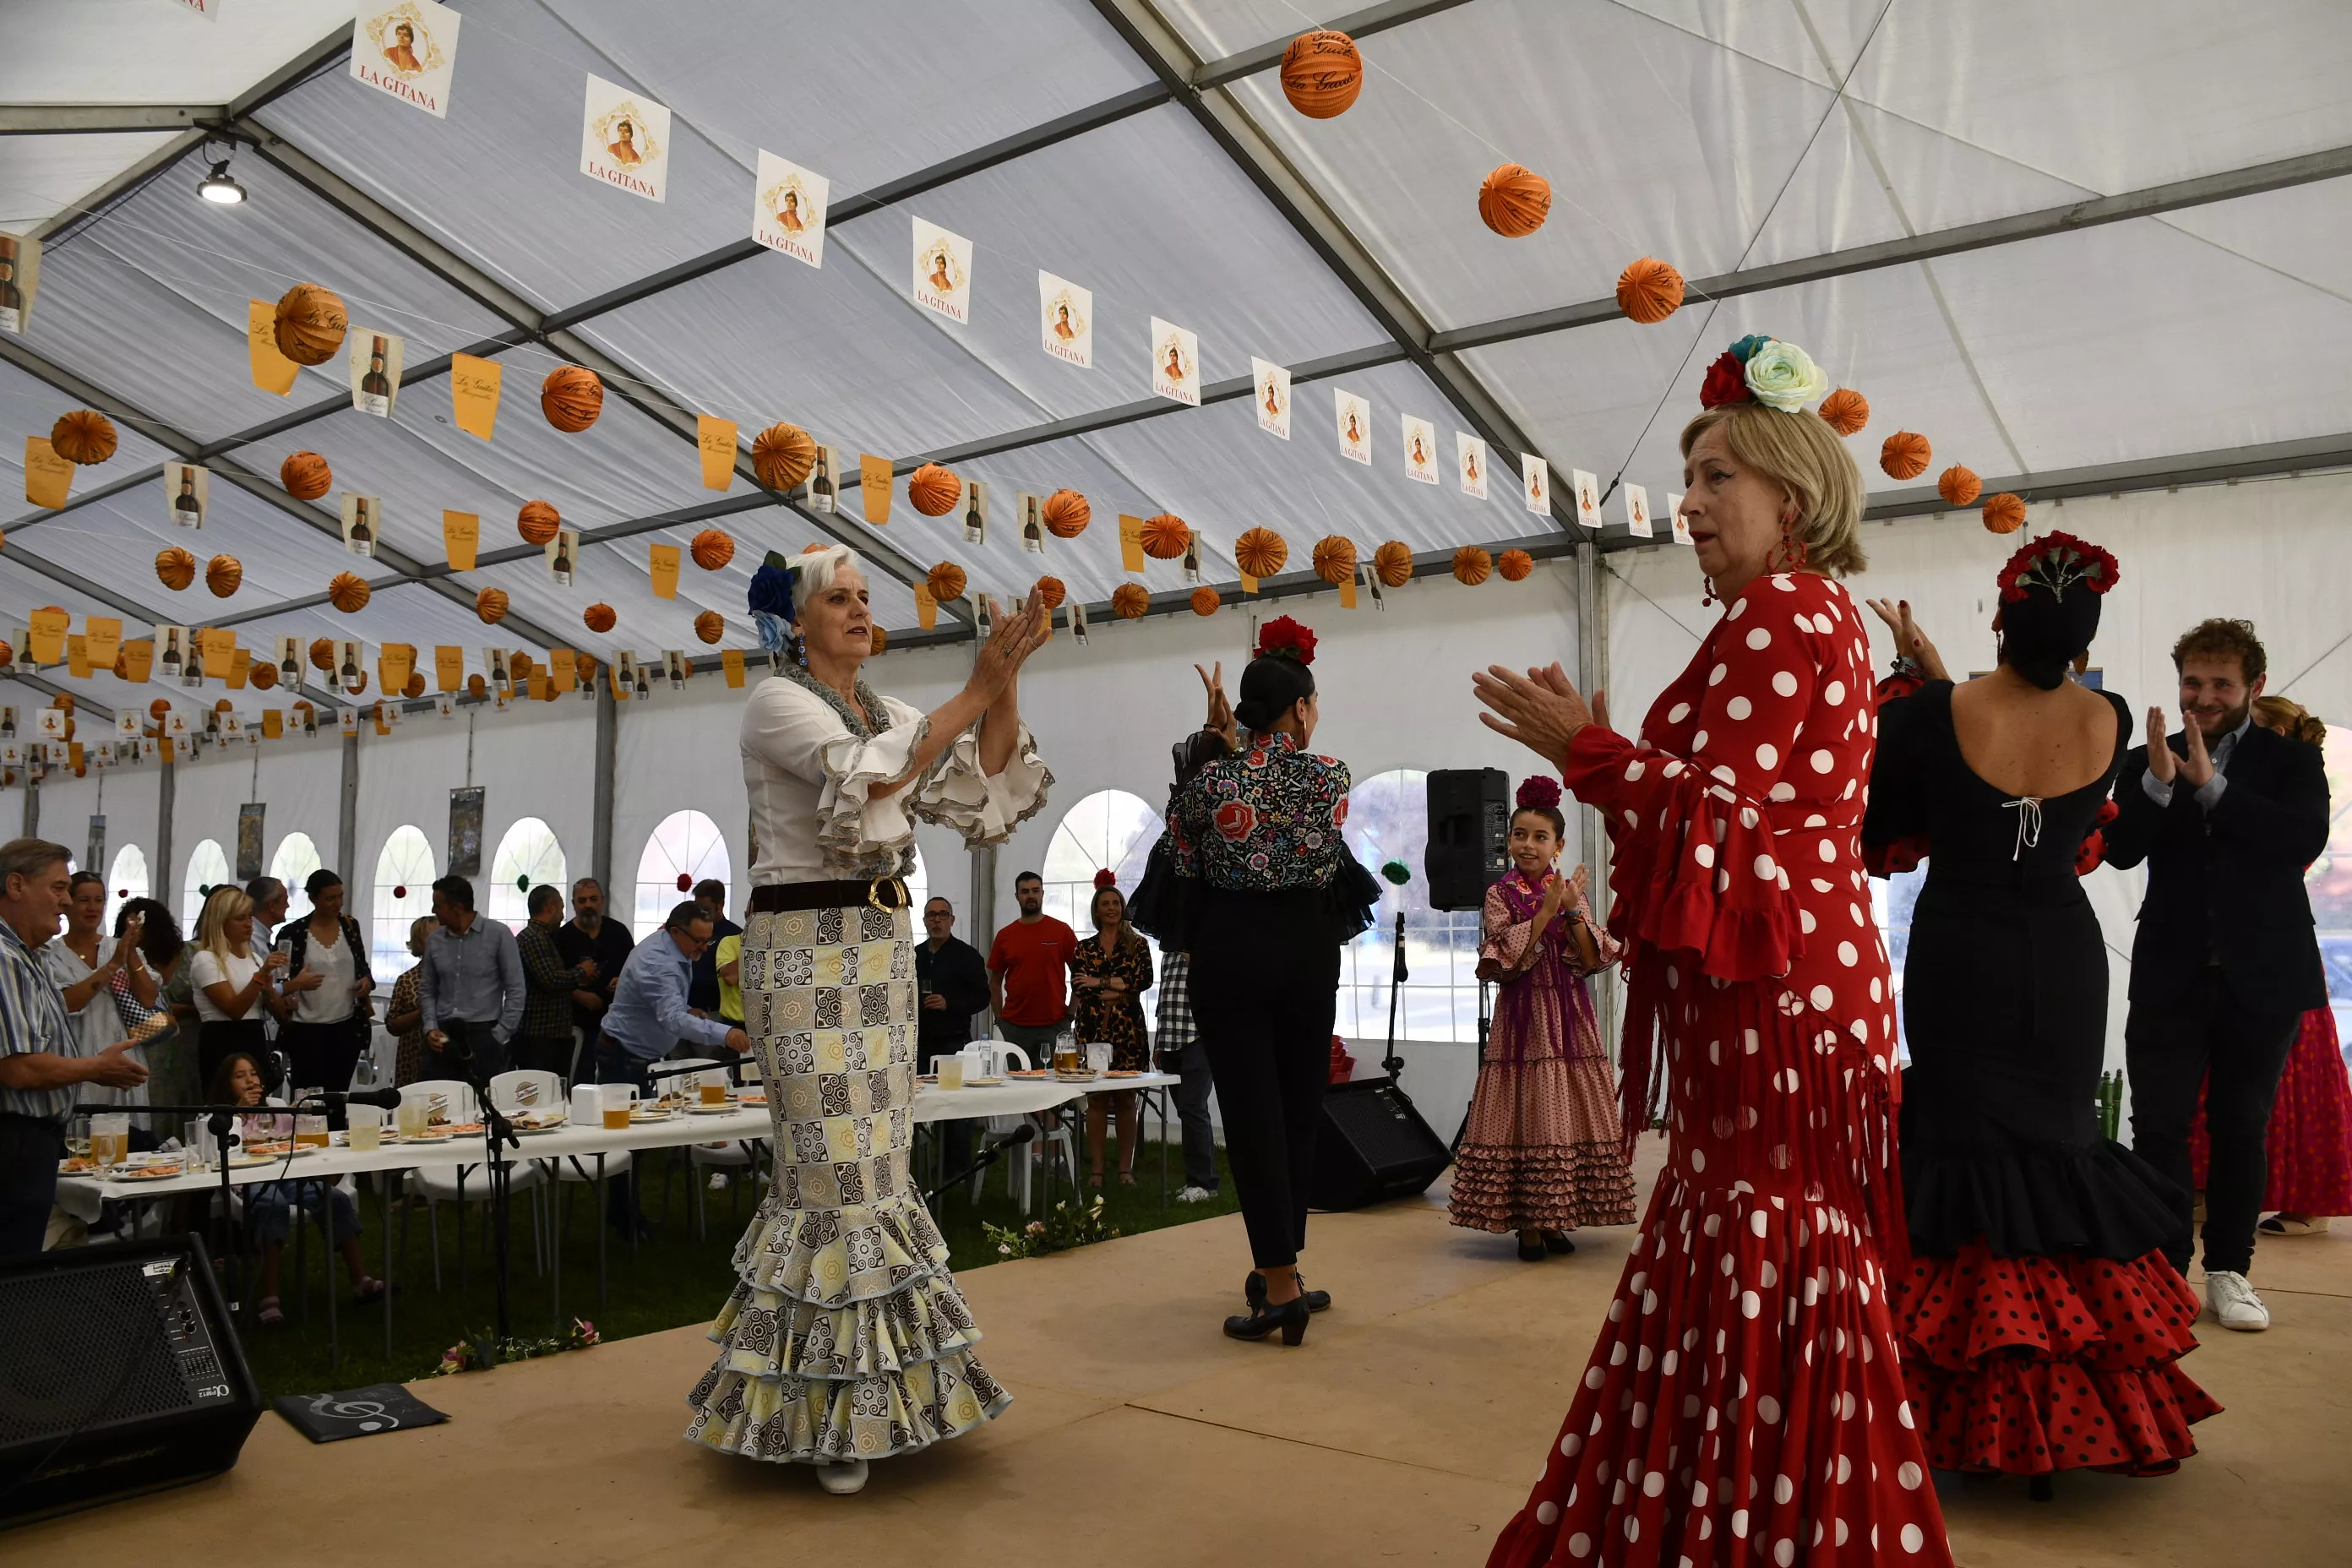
[{"x": 2041, "y": 1327}]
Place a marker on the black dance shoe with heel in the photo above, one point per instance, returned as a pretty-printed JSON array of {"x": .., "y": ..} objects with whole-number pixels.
[
  {"x": 1254, "y": 1292},
  {"x": 1557, "y": 1241},
  {"x": 1291, "y": 1317}
]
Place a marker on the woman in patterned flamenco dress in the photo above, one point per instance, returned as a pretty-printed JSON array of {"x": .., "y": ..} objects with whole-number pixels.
[
  {"x": 2310, "y": 1138},
  {"x": 1543, "y": 1151},
  {"x": 846, "y": 1339},
  {"x": 2042, "y": 1327},
  {"x": 1743, "y": 1403}
]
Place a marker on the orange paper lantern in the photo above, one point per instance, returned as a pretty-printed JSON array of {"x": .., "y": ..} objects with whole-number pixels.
[
  {"x": 83, "y": 438},
  {"x": 174, "y": 567},
  {"x": 1205, "y": 601},
  {"x": 519, "y": 664},
  {"x": 710, "y": 626},
  {"x": 948, "y": 580},
  {"x": 306, "y": 476},
  {"x": 1051, "y": 592},
  {"x": 159, "y": 710},
  {"x": 8, "y": 654},
  {"x": 599, "y": 619},
  {"x": 1846, "y": 411},
  {"x": 933, "y": 489},
  {"x": 1322, "y": 73},
  {"x": 1903, "y": 454},
  {"x": 1514, "y": 201},
  {"x": 1129, "y": 600},
  {"x": 1472, "y": 565},
  {"x": 1649, "y": 291},
  {"x": 1260, "y": 552},
  {"x": 1067, "y": 514},
  {"x": 1335, "y": 558},
  {"x": 1959, "y": 486},
  {"x": 571, "y": 398},
  {"x": 2004, "y": 513},
  {"x": 1165, "y": 536},
  {"x": 415, "y": 687},
  {"x": 263, "y": 675},
  {"x": 538, "y": 521},
  {"x": 713, "y": 548},
  {"x": 222, "y": 575},
  {"x": 349, "y": 592},
  {"x": 1393, "y": 564},
  {"x": 477, "y": 687},
  {"x": 310, "y": 324},
  {"x": 878, "y": 641},
  {"x": 323, "y": 654},
  {"x": 782, "y": 455},
  {"x": 1515, "y": 565},
  {"x": 491, "y": 605}
]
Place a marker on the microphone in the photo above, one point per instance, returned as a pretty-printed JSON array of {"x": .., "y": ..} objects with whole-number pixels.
[
  {"x": 385, "y": 1098},
  {"x": 1025, "y": 1132}
]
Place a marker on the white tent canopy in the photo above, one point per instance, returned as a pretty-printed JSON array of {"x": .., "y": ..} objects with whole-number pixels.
[{"x": 2087, "y": 249}]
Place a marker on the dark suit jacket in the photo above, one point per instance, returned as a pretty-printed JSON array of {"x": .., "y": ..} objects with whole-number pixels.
[
  {"x": 2231, "y": 879},
  {"x": 956, "y": 972}
]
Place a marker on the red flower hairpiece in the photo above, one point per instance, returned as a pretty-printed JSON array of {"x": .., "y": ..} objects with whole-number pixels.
[
  {"x": 1285, "y": 637},
  {"x": 2057, "y": 561},
  {"x": 1538, "y": 791},
  {"x": 1727, "y": 381},
  {"x": 1106, "y": 878}
]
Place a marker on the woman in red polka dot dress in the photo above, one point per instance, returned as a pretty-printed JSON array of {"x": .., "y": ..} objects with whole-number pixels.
[{"x": 1743, "y": 1403}]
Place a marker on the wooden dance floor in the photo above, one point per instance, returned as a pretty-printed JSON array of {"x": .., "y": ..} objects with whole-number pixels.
[{"x": 1406, "y": 1430}]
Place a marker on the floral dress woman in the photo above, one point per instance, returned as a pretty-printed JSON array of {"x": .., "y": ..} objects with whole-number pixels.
[
  {"x": 846, "y": 1337},
  {"x": 1543, "y": 1149},
  {"x": 1115, "y": 1019}
]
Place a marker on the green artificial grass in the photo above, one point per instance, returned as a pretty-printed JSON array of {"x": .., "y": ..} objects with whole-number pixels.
[{"x": 672, "y": 1280}]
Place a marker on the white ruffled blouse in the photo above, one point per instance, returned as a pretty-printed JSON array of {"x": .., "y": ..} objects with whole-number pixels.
[{"x": 811, "y": 783}]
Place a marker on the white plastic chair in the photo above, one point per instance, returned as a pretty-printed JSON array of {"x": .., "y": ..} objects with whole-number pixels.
[
  {"x": 733, "y": 1155},
  {"x": 1019, "y": 1174},
  {"x": 527, "y": 1089},
  {"x": 468, "y": 1182}
]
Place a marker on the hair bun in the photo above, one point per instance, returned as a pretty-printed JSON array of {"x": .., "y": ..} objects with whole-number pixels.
[{"x": 1538, "y": 791}]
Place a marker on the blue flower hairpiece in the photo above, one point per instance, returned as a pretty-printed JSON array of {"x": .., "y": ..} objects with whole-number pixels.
[{"x": 769, "y": 600}]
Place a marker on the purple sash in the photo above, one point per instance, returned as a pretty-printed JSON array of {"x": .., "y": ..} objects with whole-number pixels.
[{"x": 1549, "y": 995}]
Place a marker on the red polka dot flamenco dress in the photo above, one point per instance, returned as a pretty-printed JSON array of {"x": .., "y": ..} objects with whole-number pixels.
[{"x": 1743, "y": 1403}]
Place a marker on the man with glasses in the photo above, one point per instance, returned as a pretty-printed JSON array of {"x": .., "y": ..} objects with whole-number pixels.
[
  {"x": 951, "y": 983},
  {"x": 650, "y": 1018}
]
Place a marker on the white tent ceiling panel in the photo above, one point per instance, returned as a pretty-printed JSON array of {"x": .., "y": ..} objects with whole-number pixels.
[
  {"x": 861, "y": 95},
  {"x": 2297, "y": 234},
  {"x": 32, "y": 405},
  {"x": 2104, "y": 345},
  {"x": 1587, "y": 396},
  {"x": 41, "y": 175},
  {"x": 134, "y": 51},
  {"x": 499, "y": 179}
]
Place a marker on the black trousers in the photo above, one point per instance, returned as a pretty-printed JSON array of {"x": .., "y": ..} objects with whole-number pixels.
[
  {"x": 1200, "y": 1134},
  {"x": 2207, "y": 1038},
  {"x": 1265, "y": 981},
  {"x": 551, "y": 1054},
  {"x": 30, "y": 1148}
]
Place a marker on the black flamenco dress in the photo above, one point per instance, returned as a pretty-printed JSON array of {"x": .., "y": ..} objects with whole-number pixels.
[{"x": 2040, "y": 1326}]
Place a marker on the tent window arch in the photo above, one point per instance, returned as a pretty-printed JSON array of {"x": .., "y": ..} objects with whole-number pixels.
[
  {"x": 1388, "y": 819},
  {"x": 1109, "y": 828},
  {"x": 529, "y": 854},
  {"x": 295, "y": 859},
  {"x": 687, "y": 845},
  {"x": 207, "y": 867},
  {"x": 404, "y": 890},
  {"x": 126, "y": 879}
]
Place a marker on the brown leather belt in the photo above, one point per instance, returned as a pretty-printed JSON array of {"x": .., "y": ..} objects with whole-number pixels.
[{"x": 880, "y": 892}]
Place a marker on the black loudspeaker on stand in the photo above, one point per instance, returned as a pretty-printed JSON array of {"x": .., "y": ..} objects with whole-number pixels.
[
  {"x": 1469, "y": 833},
  {"x": 119, "y": 1374},
  {"x": 1373, "y": 1145}
]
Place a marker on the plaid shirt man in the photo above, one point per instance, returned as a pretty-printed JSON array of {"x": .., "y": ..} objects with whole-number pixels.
[{"x": 549, "y": 983}]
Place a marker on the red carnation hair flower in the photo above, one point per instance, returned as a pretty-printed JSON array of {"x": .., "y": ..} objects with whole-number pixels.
[
  {"x": 1106, "y": 878},
  {"x": 1727, "y": 381},
  {"x": 2057, "y": 561},
  {"x": 1285, "y": 638},
  {"x": 1539, "y": 792}
]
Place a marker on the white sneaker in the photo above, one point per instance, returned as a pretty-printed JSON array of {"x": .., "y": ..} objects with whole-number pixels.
[
  {"x": 1195, "y": 1195},
  {"x": 2234, "y": 1302},
  {"x": 842, "y": 1479}
]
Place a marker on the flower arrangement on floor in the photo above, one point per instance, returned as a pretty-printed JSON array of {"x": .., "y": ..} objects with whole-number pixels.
[
  {"x": 479, "y": 1353},
  {"x": 1057, "y": 1232}
]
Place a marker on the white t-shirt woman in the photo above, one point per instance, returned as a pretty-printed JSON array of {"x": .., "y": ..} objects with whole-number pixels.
[{"x": 208, "y": 968}]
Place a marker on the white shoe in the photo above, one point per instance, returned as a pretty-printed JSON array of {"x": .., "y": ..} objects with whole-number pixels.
[
  {"x": 842, "y": 1479},
  {"x": 2234, "y": 1302},
  {"x": 1195, "y": 1195}
]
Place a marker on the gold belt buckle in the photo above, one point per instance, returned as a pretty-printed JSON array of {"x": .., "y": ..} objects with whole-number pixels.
[{"x": 874, "y": 894}]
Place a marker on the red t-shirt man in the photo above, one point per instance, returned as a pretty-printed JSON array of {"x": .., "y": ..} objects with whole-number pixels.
[{"x": 1028, "y": 969}]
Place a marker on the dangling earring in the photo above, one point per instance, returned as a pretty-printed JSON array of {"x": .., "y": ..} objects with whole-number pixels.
[
  {"x": 1709, "y": 597},
  {"x": 1793, "y": 553},
  {"x": 800, "y": 649}
]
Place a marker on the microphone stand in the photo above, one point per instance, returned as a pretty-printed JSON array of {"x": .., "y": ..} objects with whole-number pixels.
[
  {"x": 1393, "y": 1063},
  {"x": 987, "y": 1156},
  {"x": 495, "y": 1130}
]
